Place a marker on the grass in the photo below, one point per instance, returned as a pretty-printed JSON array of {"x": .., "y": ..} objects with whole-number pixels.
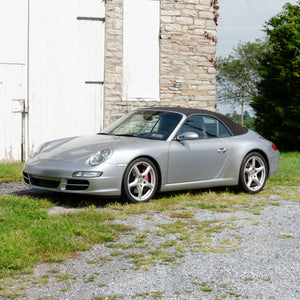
[
  {"x": 28, "y": 235},
  {"x": 11, "y": 172},
  {"x": 289, "y": 170}
]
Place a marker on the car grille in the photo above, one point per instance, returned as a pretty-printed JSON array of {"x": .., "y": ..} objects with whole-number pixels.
[
  {"x": 47, "y": 183},
  {"x": 71, "y": 185},
  {"x": 77, "y": 185},
  {"x": 26, "y": 178}
]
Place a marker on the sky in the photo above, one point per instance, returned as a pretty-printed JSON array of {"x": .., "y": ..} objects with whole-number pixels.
[{"x": 243, "y": 20}]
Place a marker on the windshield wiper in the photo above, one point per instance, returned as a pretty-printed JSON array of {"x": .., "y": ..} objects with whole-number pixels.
[{"x": 125, "y": 134}]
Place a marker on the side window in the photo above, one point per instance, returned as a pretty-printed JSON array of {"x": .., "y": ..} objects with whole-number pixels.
[
  {"x": 194, "y": 124},
  {"x": 206, "y": 127},
  {"x": 214, "y": 128},
  {"x": 223, "y": 132}
]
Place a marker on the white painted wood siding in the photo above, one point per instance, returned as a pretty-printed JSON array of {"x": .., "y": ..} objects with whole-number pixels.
[
  {"x": 141, "y": 50},
  {"x": 12, "y": 86},
  {"x": 13, "y": 37},
  {"x": 65, "y": 53}
]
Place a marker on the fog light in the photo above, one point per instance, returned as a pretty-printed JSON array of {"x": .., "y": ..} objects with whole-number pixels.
[{"x": 87, "y": 174}]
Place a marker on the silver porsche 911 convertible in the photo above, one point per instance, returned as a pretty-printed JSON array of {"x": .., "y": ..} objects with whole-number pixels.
[{"x": 155, "y": 149}]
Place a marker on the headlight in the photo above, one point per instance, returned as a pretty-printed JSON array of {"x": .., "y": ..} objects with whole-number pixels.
[
  {"x": 100, "y": 157},
  {"x": 39, "y": 150}
]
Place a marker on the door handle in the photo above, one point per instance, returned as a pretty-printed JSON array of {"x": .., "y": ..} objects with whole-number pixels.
[{"x": 222, "y": 150}]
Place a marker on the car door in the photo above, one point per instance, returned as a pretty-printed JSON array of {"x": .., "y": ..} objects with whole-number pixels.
[{"x": 198, "y": 159}]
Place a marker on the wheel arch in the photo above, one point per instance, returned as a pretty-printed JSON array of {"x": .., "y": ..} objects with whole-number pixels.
[
  {"x": 263, "y": 155},
  {"x": 156, "y": 165}
]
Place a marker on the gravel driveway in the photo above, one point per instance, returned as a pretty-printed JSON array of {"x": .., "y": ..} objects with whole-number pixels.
[{"x": 252, "y": 256}]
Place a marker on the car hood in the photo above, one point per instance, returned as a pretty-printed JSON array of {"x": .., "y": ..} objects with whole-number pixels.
[{"x": 83, "y": 147}]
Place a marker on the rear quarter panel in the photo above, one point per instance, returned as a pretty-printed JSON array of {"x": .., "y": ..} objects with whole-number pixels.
[{"x": 241, "y": 145}]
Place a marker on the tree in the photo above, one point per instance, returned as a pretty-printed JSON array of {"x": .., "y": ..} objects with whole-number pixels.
[
  {"x": 248, "y": 120},
  {"x": 277, "y": 104},
  {"x": 238, "y": 74}
]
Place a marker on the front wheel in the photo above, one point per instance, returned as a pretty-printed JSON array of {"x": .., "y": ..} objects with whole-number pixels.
[
  {"x": 253, "y": 173},
  {"x": 140, "y": 180}
]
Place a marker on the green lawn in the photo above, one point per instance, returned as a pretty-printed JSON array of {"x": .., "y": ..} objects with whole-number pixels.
[
  {"x": 289, "y": 170},
  {"x": 29, "y": 235},
  {"x": 11, "y": 172}
]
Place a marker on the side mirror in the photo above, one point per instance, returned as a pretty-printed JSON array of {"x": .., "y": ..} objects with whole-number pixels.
[{"x": 187, "y": 136}]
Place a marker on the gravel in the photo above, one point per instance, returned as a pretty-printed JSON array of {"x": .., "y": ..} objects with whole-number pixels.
[{"x": 261, "y": 261}]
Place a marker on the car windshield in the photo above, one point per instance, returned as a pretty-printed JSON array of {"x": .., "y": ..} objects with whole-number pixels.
[{"x": 149, "y": 124}]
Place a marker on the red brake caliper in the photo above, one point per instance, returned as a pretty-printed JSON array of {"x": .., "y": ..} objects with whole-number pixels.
[{"x": 147, "y": 177}]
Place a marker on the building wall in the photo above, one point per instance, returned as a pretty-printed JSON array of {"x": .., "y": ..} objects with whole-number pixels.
[
  {"x": 183, "y": 73},
  {"x": 141, "y": 59},
  {"x": 13, "y": 68},
  {"x": 66, "y": 65},
  {"x": 188, "y": 49},
  {"x": 187, "y": 39},
  {"x": 115, "y": 103}
]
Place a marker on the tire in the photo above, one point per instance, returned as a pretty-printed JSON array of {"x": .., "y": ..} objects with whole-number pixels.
[
  {"x": 253, "y": 173},
  {"x": 140, "y": 180}
]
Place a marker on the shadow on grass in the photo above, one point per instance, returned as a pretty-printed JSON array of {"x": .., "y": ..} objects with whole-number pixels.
[
  {"x": 74, "y": 200},
  {"x": 69, "y": 200}
]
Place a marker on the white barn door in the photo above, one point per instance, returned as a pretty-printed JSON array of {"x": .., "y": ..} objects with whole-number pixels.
[
  {"x": 13, "y": 29},
  {"x": 66, "y": 69}
]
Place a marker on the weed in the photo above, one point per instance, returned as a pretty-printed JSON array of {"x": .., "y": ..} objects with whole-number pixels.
[
  {"x": 114, "y": 297},
  {"x": 10, "y": 294},
  {"x": 188, "y": 214},
  {"x": 115, "y": 253},
  {"x": 157, "y": 294},
  {"x": 248, "y": 279},
  {"x": 285, "y": 236},
  {"x": 267, "y": 279},
  {"x": 90, "y": 279},
  {"x": 42, "y": 281},
  {"x": 204, "y": 287},
  {"x": 168, "y": 244},
  {"x": 140, "y": 238},
  {"x": 54, "y": 270},
  {"x": 65, "y": 277},
  {"x": 100, "y": 259},
  {"x": 144, "y": 295}
]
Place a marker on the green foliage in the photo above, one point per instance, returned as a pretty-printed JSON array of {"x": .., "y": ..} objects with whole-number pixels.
[
  {"x": 11, "y": 171},
  {"x": 277, "y": 105},
  {"x": 248, "y": 120},
  {"x": 238, "y": 75}
]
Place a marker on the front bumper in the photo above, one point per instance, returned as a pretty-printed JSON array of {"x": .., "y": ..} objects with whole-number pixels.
[{"x": 60, "y": 179}]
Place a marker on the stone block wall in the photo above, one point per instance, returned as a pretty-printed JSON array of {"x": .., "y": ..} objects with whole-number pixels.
[
  {"x": 187, "y": 56},
  {"x": 188, "y": 49},
  {"x": 113, "y": 61}
]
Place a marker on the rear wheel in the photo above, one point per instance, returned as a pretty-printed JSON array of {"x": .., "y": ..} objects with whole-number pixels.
[
  {"x": 140, "y": 180},
  {"x": 253, "y": 173}
]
